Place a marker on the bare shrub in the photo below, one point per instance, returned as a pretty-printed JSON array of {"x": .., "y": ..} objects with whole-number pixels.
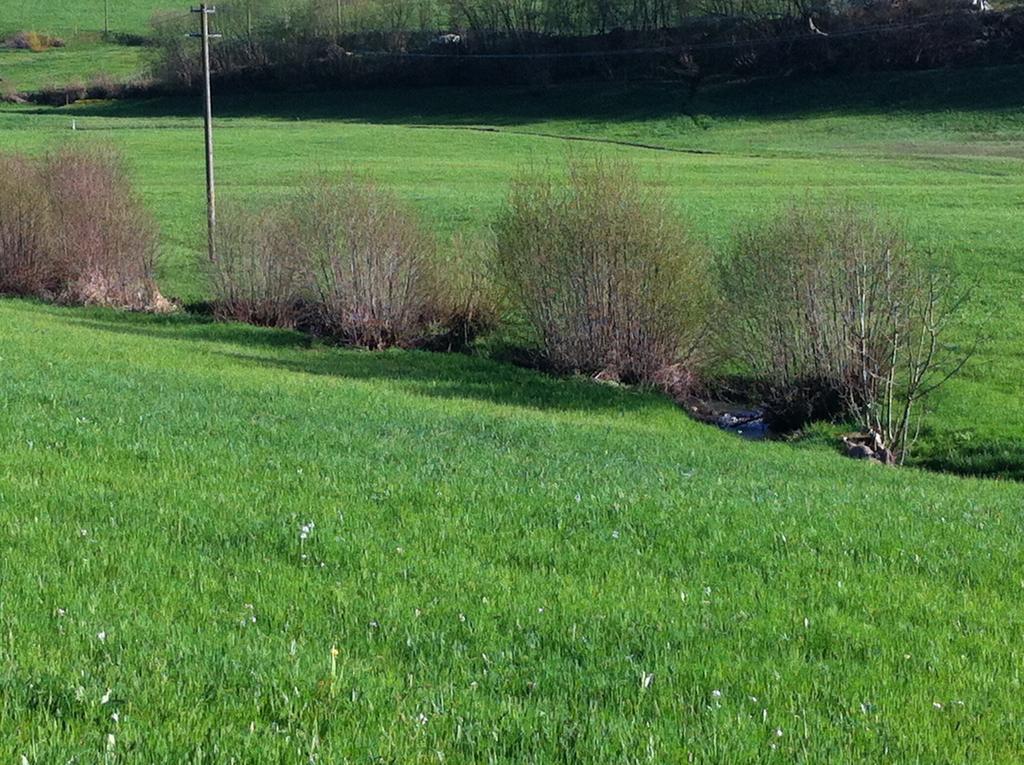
[
  {"x": 27, "y": 242},
  {"x": 33, "y": 41},
  {"x": 73, "y": 230},
  {"x": 105, "y": 241},
  {"x": 370, "y": 265},
  {"x": 174, "y": 61},
  {"x": 609, "y": 281},
  {"x": 258, "y": 276},
  {"x": 104, "y": 87},
  {"x": 837, "y": 318},
  {"x": 59, "y": 95},
  {"x": 346, "y": 261}
]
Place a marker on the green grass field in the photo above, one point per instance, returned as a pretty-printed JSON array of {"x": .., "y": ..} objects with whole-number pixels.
[
  {"x": 937, "y": 152},
  {"x": 513, "y": 567},
  {"x": 82, "y": 61},
  {"x": 80, "y": 23},
  {"x": 72, "y": 17},
  {"x": 499, "y": 557}
]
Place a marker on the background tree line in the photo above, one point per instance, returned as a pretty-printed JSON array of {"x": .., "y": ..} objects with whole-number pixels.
[
  {"x": 531, "y": 17},
  {"x": 319, "y": 43}
]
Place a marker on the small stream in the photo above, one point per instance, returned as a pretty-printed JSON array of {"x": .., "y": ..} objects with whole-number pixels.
[
  {"x": 745, "y": 423},
  {"x": 741, "y": 420}
]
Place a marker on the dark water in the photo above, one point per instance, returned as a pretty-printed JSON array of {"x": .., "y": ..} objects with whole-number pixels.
[{"x": 744, "y": 422}]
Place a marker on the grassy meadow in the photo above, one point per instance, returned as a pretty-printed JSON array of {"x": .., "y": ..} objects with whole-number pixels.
[
  {"x": 73, "y": 17},
  {"x": 950, "y": 173},
  {"x": 511, "y": 567},
  {"x": 82, "y": 61},
  {"x": 86, "y": 55}
]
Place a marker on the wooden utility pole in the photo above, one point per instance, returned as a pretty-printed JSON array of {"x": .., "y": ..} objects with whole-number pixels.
[{"x": 211, "y": 192}]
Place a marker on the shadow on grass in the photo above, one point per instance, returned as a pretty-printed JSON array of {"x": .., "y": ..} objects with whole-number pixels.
[
  {"x": 437, "y": 375},
  {"x": 459, "y": 376},
  {"x": 188, "y": 328},
  {"x": 454, "y": 376},
  {"x": 994, "y": 88},
  {"x": 1002, "y": 459}
]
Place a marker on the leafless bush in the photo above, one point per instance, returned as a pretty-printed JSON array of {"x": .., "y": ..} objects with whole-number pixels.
[
  {"x": 175, "y": 62},
  {"x": 347, "y": 261},
  {"x": 28, "y": 265},
  {"x": 258, "y": 275},
  {"x": 104, "y": 87},
  {"x": 608, "y": 280},
  {"x": 104, "y": 241},
  {"x": 33, "y": 41},
  {"x": 837, "y": 318},
  {"x": 59, "y": 95},
  {"x": 73, "y": 230},
  {"x": 371, "y": 266}
]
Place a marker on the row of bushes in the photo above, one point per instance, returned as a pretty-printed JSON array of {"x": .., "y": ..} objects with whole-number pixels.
[
  {"x": 101, "y": 87},
  {"x": 826, "y": 308},
  {"x": 73, "y": 230}
]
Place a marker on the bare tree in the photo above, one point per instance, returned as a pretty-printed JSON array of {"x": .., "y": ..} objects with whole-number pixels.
[{"x": 836, "y": 317}]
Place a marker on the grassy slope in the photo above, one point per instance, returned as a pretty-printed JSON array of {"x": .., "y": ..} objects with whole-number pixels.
[
  {"x": 70, "y": 17},
  {"x": 528, "y": 548},
  {"x": 503, "y": 554},
  {"x": 82, "y": 61},
  {"x": 952, "y": 173},
  {"x": 79, "y": 23}
]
